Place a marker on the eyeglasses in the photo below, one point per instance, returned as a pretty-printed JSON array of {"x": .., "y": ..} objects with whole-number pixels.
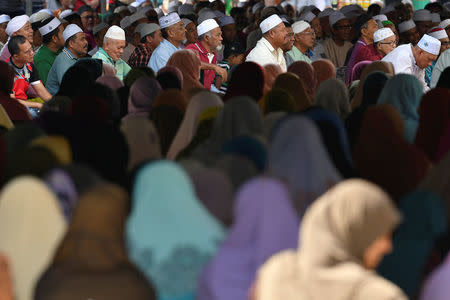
[
  {"x": 445, "y": 43},
  {"x": 309, "y": 33},
  {"x": 393, "y": 43}
]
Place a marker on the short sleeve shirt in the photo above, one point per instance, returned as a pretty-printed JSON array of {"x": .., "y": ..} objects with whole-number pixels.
[{"x": 27, "y": 73}]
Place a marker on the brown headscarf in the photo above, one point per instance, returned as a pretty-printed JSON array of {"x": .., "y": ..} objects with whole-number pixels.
[
  {"x": 271, "y": 71},
  {"x": 92, "y": 262},
  {"x": 324, "y": 69},
  {"x": 306, "y": 73},
  {"x": 378, "y": 65},
  {"x": 188, "y": 62},
  {"x": 295, "y": 86},
  {"x": 382, "y": 155}
]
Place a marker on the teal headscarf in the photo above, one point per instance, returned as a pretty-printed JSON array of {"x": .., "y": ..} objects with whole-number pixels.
[
  {"x": 404, "y": 92},
  {"x": 170, "y": 234}
]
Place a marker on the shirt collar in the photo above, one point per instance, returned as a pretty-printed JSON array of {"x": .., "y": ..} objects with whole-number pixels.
[
  {"x": 203, "y": 49},
  {"x": 267, "y": 44},
  {"x": 69, "y": 54},
  {"x": 102, "y": 51}
]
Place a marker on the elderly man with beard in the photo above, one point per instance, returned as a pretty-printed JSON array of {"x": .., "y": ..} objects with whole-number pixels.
[
  {"x": 304, "y": 38},
  {"x": 209, "y": 38},
  {"x": 337, "y": 46}
]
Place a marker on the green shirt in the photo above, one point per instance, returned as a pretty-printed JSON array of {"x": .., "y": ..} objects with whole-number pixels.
[
  {"x": 43, "y": 61},
  {"x": 121, "y": 67},
  {"x": 297, "y": 55}
]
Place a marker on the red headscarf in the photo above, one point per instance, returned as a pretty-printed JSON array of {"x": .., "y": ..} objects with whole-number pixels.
[
  {"x": 324, "y": 69},
  {"x": 188, "y": 62}
]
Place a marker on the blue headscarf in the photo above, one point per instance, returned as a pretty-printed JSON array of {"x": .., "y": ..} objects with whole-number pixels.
[
  {"x": 170, "y": 234},
  {"x": 404, "y": 92}
]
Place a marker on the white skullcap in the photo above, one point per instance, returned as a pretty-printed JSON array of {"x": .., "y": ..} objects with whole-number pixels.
[
  {"x": 120, "y": 9},
  {"x": 387, "y": 9},
  {"x": 407, "y": 2},
  {"x": 422, "y": 15},
  {"x": 285, "y": 3},
  {"x": 257, "y": 6},
  {"x": 326, "y": 12},
  {"x": 99, "y": 27},
  {"x": 336, "y": 17},
  {"x": 436, "y": 18},
  {"x": 226, "y": 20},
  {"x": 66, "y": 13},
  {"x": 169, "y": 20},
  {"x": 50, "y": 26},
  {"x": 186, "y": 21},
  {"x": 438, "y": 33},
  {"x": 70, "y": 31},
  {"x": 380, "y": 18},
  {"x": 39, "y": 16},
  {"x": 382, "y": 34},
  {"x": 186, "y": 9},
  {"x": 116, "y": 33},
  {"x": 430, "y": 44},
  {"x": 270, "y": 23},
  {"x": 300, "y": 26},
  {"x": 206, "y": 26},
  {"x": 125, "y": 22},
  {"x": 405, "y": 26},
  {"x": 444, "y": 24},
  {"x": 308, "y": 16},
  {"x": 16, "y": 23},
  {"x": 4, "y": 18}
]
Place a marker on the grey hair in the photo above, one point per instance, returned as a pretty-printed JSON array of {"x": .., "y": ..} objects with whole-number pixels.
[{"x": 201, "y": 37}]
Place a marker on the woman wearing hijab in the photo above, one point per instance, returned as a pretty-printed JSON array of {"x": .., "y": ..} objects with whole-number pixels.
[
  {"x": 265, "y": 223},
  {"x": 279, "y": 100},
  {"x": 297, "y": 155},
  {"x": 358, "y": 69},
  {"x": 142, "y": 95},
  {"x": 113, "y": 82},
  {"x": 306, "y": 73},
  {"x": 247, "y": 79},
  {"x": 197, "y": 105},
  {"x": 271, "y": 72},
  {"x": 58, "y": 145},
  {"x": 332, "y": 94},
  {"x": 372, "y": 87},
  {"x": 188, "y": 62},
  {"x": 382, "y": 156},
  {"x": 338, "y": 250},
  {"x": 436, "y": 286},
  {"x": 295, "y": 86},
  {"x": 92, "y": 262},
  {"x": 404, "y": 91},
  {"x": 170, "y": 77},
  {"x": 170, "y": 254},
  {"x": 323, "y": 69},
  {"x": 424, "y": 221},
  {"x": 32, "y": 210},
  {"x": 434, "y": 115}
]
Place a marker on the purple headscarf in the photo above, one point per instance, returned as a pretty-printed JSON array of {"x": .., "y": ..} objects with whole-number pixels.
[
  {"x": 110, "y": 81},
  {"x": 142, "y": 94},
  {"x": 265, "y": 223}
]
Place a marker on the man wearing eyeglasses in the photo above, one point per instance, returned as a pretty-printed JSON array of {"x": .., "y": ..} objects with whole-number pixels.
[
  {"x": 337, "y": 46},
  {"x": 304, "y": 38},
  {"x": 384, "y": 41},
  {"x": 87, "y": 15},
  {"x": 441, "y": 35}
]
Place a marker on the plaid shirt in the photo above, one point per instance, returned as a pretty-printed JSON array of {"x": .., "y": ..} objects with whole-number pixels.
[
  {"x": 121, "y": 67},
  {"x": 140, "y": 57}
]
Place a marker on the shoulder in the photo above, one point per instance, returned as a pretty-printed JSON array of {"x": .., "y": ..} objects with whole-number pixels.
[
  {"x": 191, "y": 47},
  {"x": 377, "y": 288}
]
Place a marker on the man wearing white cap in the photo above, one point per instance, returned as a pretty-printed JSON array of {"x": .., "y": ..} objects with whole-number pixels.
[
  {"x": 324, "y": 18},
  {"x": 268, "y": 49},
  {"x": 337, "y": 46},
  {"x": 423, "y": 20},
  {"x": 412, "y": 59},
  {"x": 151, "y": 37},
  {"x": 174, "y": 33},
  {"x": 4, "y": 19},
  {"x": 19, "y": 25},
  {"x": 53, "y": 41},
  {"x": 408, "y": 33},
  {"x": 75, "y": 47},
  {"x": 317, "y": 52},
  {"x": 384, "y": 41},
  {"x": 304, "y": 38},
  {"x": 113, "y": 45},
  {"x": 209, "y": 38},
  {"x": 441, "y": 35},
  {"x": 445, "y": 25}
]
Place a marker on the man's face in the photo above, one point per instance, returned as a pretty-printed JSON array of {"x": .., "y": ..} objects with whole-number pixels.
[
  {"x": 287, "y": 46},
  {"x": 177, "y": 32},
  {"x": 424, "y": 59},
  {"x": 372, "y": 26},
  {"x": 26, "y": 31},
  {"x": 60, "y": 39},
  {"x": 79, "y": 44},
  {"x": 3, "y": 35},
  {"x": 317, "y": 27},
  {"x": 279, "y": 35},
  {"x": 191, "y": 33},
  {"x": 215, "y": 39},
  {"x": 412, "y": 36},
  {"x": 26, "y": 53},
  {"x": 387, "y": 45},
  {"x": 114, "y": 48},
  {"x": 445, "y": 44},
  {"x": 88, "y": 20},
  {"x": 343, "y": 30},
  {"x": 229, "y": 32},
  {"x": 423, "y": 27},
  {"x": 156, "y": 39},
  {"x": 306, "y": 38}
]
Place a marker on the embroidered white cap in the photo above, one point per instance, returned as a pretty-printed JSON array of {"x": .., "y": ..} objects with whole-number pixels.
[
  {"x": 4, "y": 18},
  {"x": 422, "y": 15},
  {"x": 444, "y": 24},
  {"x": 70, "y": 31},
  {"x": 66, "y": 13},
  {"x": 226, "y": 20},
  {"x": 300, "y": 26},
  {"x": 405, "y": 26},
  {"x": 270, "y": 23},
  {"x": 326, "y": 12},
  {"x": 382, "y": 34},
  {"x": 336, "y": 17},
  {"x": 16, "y": 23},
  {"x": 39, "y": 16},
  {"x": 308, "y": 16},
  {"x": 430, "y": 44},
  {"x": 47, "y": 28},
  {"x": 436, "y": 18},
  {"x": 116, "y": 33},
  {"x": 380, "y": 18},
  {"x": 438, "y": 33},
  {"x": 206, "y": 26},
  {"x": 169, "y": 20}
]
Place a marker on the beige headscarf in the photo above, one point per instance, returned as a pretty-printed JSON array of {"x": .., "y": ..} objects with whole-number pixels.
[
  {"x": 59, "y": 146},
  {"x": 335, "y": 232},
  {"x": 31, "y": 227},
  {"x": 5, "y": 121}
]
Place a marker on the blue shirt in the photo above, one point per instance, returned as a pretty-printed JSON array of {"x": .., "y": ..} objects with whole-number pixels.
[
  {"x": 161, "y": 55},
  {"x": 62, "y": 63}
]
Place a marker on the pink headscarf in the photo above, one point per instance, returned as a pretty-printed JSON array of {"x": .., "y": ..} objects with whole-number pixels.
[
  {"x": 142, "y": 94},
  {"x": 271, "y": 71},
  {"x": 306, "y": 73},
  {"x": 188, "y": 62},
  {"x": 358, "y": 69},
  {"x": 324, "y": 70}
]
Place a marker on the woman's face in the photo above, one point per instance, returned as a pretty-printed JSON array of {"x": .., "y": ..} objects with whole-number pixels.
[{"x": 377, "y": 250}]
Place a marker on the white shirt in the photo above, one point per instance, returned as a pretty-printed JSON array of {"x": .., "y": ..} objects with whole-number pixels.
[
  {"x": 264, "y": 53},
  {"x": 404, "y": 62}
]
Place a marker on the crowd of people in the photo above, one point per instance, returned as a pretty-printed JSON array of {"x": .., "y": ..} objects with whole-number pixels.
[{"x": 198, "y": 151}]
